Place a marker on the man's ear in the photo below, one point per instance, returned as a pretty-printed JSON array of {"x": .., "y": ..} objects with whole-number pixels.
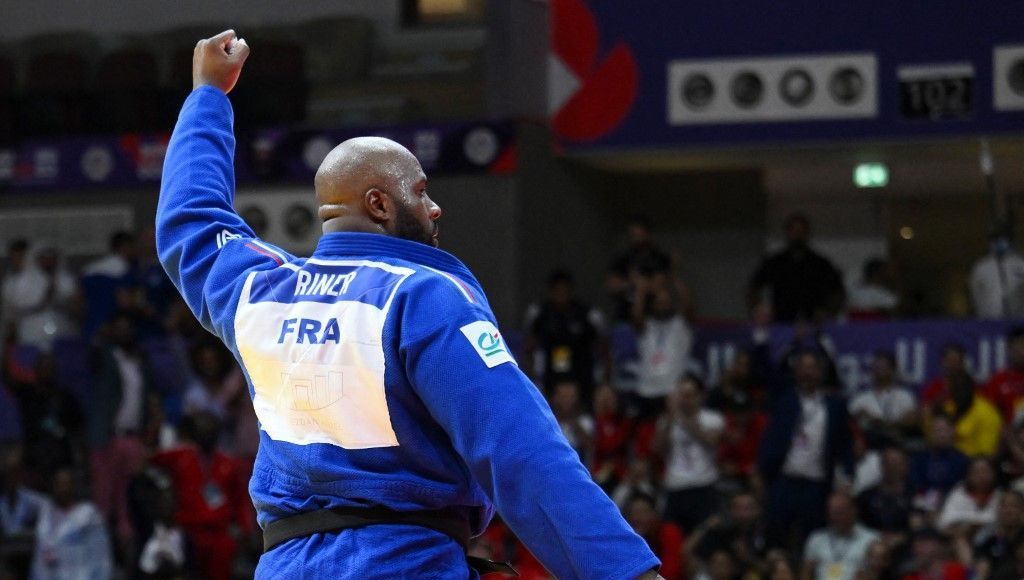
[{"x": 378, "y": 205}]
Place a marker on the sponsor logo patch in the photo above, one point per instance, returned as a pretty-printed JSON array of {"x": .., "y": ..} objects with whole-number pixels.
[{"x": 488, "y": 343}]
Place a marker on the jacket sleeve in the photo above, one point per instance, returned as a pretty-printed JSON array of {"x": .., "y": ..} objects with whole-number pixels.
[
  {"x": 505, "y": 432},
  {"x": 844, "y": 458},
  {"x": 203, "y": 244}
]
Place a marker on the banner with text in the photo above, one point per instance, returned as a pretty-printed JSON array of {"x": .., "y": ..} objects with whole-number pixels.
[
  {"x": 266, "y": 156},
  {"x": 917, "y": 345}
]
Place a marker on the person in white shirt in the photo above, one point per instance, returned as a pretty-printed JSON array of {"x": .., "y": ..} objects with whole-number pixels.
[
  {"x": 974, "y": 503},
  {"x": 119, "y": 419},
  {"x": 997, "y": 280},
  {"x": 887, "y": 409},
  {"x": 839, "y": 550},
  {"x": 664, "y": 340},
  {"x": 687, "y": 436},
  {"x": 807, "y": 443},
  {"x": 873, "y": 297},
  {"x": 163, "y": 553},
  {"x": 41, "y": 300},
  {"x": 71, "y": 539},
  {"x": 577, "y": 426},
  {"x": 20, "y": 509}
]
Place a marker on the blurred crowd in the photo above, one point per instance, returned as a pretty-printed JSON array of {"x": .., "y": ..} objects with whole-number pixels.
[
  {"x": 777, "y": 470},
  {"x": 126, "y": 432},
  {"x": 127, "y": 435}
]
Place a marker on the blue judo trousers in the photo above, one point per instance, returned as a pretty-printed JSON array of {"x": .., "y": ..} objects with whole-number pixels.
[{"x": 379, "y": 378}]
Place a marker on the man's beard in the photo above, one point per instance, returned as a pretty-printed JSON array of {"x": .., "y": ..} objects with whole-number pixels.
[{"x": 409, "y": 228}]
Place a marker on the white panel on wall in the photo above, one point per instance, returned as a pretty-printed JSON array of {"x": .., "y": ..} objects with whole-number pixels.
[{"x": 747, "y": 90}]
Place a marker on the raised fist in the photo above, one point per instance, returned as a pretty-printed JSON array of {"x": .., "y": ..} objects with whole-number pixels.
[{"x": 218, "y": 61}]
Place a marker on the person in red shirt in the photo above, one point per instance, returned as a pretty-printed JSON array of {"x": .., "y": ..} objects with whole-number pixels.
[
  {"x": 664, "y": 538},
  {"x": 954, "y": 362},
  {"x": 611, "y": 438},
  {"x": 741, "y": 439},
  {"x": 212, "y": 494},
  {"x": 1006, "y": 388},
  {"x": 931, "y": 561}
]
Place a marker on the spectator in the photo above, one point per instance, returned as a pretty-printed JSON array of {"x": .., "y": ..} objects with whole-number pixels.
[
  {"x": 887, "y": 410},
  {"x": 977, "y": 423},
  {"x": 577, "y": 426},
  {"x": 868, "y": 470},
  {"x": 888, "y": 506},
  {"x": 1005, "y": 388},
  {"x": 664, "y": 538},
  {"x": 17, "y": 253},
  {"x": 878, "y": 564},
  {"x": 611, "y": 438},
  {"x": 807, "y": 439},
  {"x": 994, "y": 550},
  {"x": 164, "y": 550},
  {"x": 997, "y": 279},
  {"x": 874, "y": 297},
  {"x": 664, "y": 341},
  {"x": 1011, "y": 455},
  {"x": 806, "y": 338},
  {"x": 642, "y": 258},
  {"x": 52, "y": 421},
  {"x": 119, "y": 421},
  {"x": 568, "y": 335},
  {"x": 212, "y": 375},
  {"x": 20, "y": 509},
  {"x": 780, "y": 568},
  {"x": 954, "y": 362},
  {"x": 839, "y": 550},
  {"x": 722, "y": 565},
  {"x": 212, "y": 495},
  {"x": 640, "y": 479},
  {"x": 742, "y": 533},
  {"x": 741, "y": 438},
  {"x": 688, "y": 436},
  {"x": 71, "y": 540},
  {"x": 110, "y": 283},
  {"x": 797, "y": 282},
  {"x": 972, "y": 504},
  {"x": 739, "y": 386},
  {"x": 41, "y": 300},
  {"x": 937, "y": 469},
  {"x": 17, "y": 250},
  {"x": 158, "y": 292},
  {"x": 931, "y": 561}
]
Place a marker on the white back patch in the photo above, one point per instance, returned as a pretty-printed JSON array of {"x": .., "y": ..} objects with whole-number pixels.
[
  {"x": 488, "y": 343},
  {"x": 317, "y": 367}
]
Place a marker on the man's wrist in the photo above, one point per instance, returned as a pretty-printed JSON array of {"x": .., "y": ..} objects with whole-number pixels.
[{"x": 650, "y": 575}]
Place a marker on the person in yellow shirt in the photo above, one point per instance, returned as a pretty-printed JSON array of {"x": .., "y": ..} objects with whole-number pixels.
[{"x": 977, "y": 422}]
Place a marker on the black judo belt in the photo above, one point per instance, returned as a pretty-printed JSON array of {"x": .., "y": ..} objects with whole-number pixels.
[{"x": 446, "y": 521}]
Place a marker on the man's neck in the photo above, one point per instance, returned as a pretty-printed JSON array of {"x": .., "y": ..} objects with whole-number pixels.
[{"x": 350, "y": 223}]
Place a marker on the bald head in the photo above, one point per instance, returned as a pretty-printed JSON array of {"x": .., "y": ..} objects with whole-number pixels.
[{"x": 372, "y": 184}]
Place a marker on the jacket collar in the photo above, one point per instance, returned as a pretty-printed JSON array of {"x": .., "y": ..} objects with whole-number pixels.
[{"x": 359, "y": 244}]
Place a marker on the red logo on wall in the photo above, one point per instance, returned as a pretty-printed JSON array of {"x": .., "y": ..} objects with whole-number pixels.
[{"x": 588, "y": 97}]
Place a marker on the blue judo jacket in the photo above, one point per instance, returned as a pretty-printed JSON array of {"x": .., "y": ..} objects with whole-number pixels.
[{"x": 379, "y": 378}]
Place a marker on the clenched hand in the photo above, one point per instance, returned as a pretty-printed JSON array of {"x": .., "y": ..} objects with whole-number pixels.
[{"x": 218, "y": 61}]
